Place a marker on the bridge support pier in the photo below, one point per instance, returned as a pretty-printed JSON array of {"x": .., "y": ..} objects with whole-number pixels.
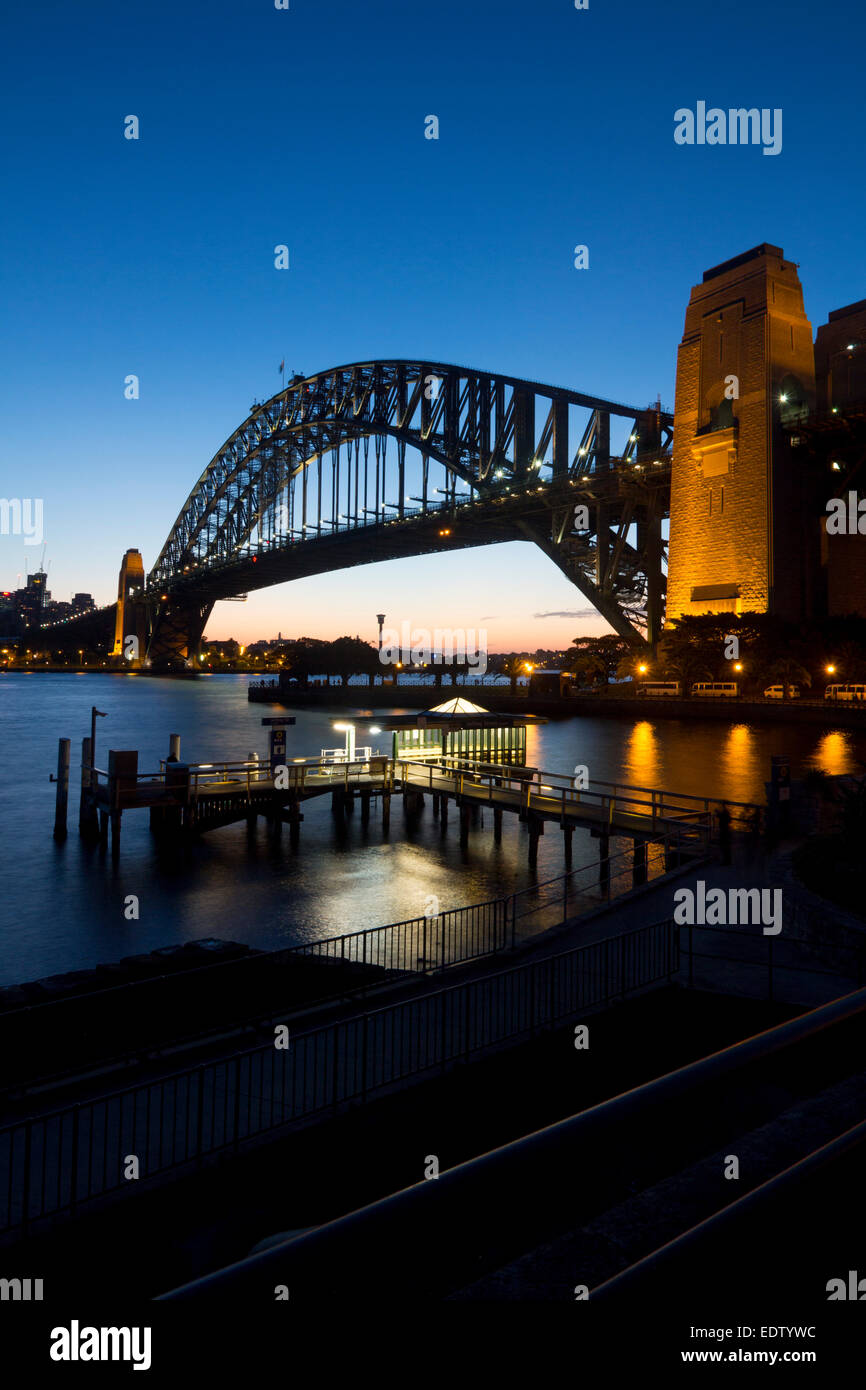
[
  {"x": 465, "y": 817},
  {"x": 365, "y": 808},
  {"x": 639, "y": 863},
  {"x": 443, "y": 817},
  {"x": 567, "y": 838},
  {"x": 497, "y": 825},
  {"x": 435, "y": 805},
  {"x": 103, "y": 828},
  {"x": 386, "y": 812}
]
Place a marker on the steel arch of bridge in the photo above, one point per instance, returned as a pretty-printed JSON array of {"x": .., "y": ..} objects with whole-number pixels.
[{"x": 523, "y": 460}]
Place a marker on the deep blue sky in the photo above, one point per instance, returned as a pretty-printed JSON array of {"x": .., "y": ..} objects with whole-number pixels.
[{"x": 306, "y": 127}]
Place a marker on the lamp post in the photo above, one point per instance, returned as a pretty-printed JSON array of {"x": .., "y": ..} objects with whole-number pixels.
[
  {"x": 349, "y": 731},
  {"x": 94, "y": 715},
  {"x": 380, "y": 619}
]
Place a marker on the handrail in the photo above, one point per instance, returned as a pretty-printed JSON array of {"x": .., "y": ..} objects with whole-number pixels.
[
  {"x": 331, "y": 1066},
  {"x": 430, "y": 1217}
]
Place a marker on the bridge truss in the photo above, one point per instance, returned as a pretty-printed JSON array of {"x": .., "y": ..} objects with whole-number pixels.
[{"x": 377, "y": 460}]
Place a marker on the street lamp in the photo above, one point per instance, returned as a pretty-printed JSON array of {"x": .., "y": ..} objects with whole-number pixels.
[
  {"x": 831, "y": 669},
  {"x": 349, "y": 731},
  {"x": 94, "y": 715}
]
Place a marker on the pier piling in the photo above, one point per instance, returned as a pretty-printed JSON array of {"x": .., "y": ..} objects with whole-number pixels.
[
  {"x": 536, "y": 830},
  {"x": 567, "y": 838},
  {"x": 639, "y": 863},
  {"x": 62, "y": 779},
  {"x": 88, "y": 821}
]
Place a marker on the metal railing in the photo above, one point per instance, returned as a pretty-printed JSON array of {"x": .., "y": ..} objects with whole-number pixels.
[
  {"x": 769, "y": 961},
  {"x": 243, "y": 776},
  {"x": 426, "y": 1247},
  {"x": 551, "y": 792},
  {"x": 422, "y": 944},
  {"x": 53, "y": 1163},
  {"x": 415, "y": 946}
]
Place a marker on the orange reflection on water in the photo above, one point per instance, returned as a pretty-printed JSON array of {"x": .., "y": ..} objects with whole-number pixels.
[
  {"x": 641, "y": 755},
  {"x": 737, "y": 759},
  {"x": 835, "y": 754}
]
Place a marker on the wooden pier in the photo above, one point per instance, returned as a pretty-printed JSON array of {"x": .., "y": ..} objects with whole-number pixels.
[{"x": 185, "y": 799}]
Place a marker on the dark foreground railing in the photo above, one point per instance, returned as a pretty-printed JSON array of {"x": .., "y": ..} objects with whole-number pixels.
[
  {"x": 168, "y": 1010},
  {"x": 439, "y": 1236},
  {"x": 55, "y": 1162}
]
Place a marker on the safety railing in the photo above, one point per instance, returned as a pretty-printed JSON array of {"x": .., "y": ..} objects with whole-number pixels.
[
  {"x": 425, "y": 1248},
  {"x": 54, "y": 1163},
  {"x": 549, "y": 792}
]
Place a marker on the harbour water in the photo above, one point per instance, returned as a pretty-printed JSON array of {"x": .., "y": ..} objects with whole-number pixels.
[{"x": 63, "y": 904}]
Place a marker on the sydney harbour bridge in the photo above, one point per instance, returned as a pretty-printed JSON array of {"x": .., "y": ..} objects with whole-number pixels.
[{"x": 382, "y": 460}]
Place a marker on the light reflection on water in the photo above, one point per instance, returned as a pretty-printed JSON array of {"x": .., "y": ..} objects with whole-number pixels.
[{"x": 62, "y": 906}]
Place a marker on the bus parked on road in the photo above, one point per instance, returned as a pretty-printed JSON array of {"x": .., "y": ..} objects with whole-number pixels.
[
  {"x": 718, "y": 689},
  {"x": 845, "y": 692},
  {"x": 659, "y": 688}
]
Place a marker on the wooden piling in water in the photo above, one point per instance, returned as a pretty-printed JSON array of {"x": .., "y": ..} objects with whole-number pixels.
[
  {"x": 88, "y": 820},
  {"x": 536, "y": 830},
  {"x": 567, "y": 838},
  {"x": 62, "y": 799},
  {"x": 497, "y": 825},
  {"x": 639, "y": 863},
  {"x": 604, "y": 862}
]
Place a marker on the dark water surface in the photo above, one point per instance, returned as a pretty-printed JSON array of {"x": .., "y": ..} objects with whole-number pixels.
[{"x": 62, "y": 905}]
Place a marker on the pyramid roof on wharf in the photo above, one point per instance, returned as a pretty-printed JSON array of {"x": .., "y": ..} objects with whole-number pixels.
[
  {"x": 457, "y": 729},
  {"x": 457, "y": 713}
]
